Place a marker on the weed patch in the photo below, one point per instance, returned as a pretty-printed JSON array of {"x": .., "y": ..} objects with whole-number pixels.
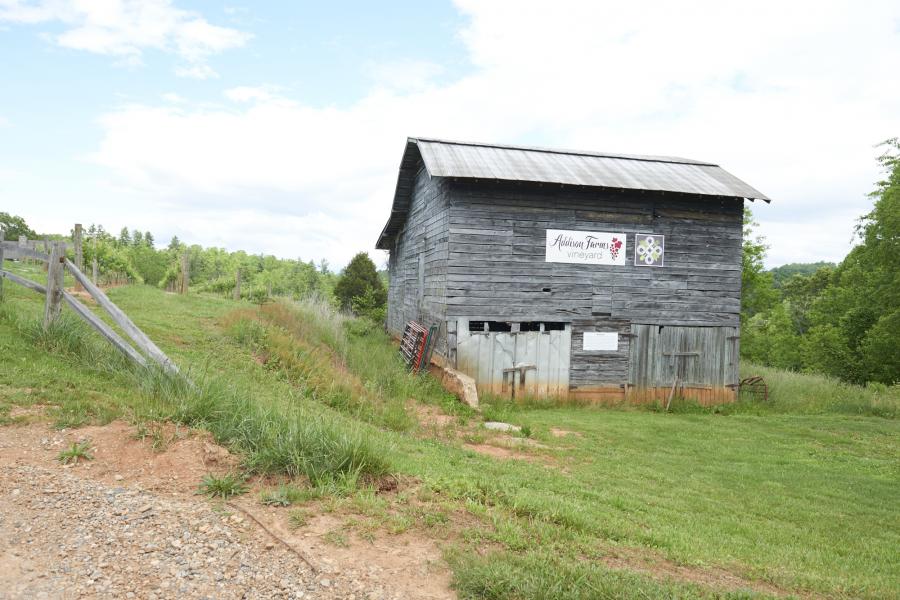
[
  {"x": 224, "y": 486},
  {"x": 77, "y": 451}
]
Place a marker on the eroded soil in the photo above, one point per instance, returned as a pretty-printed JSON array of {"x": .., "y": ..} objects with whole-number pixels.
[{"x": 129, "y": 523}]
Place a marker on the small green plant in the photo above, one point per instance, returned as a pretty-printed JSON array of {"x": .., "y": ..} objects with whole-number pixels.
[
  {"x": 260, "y": 296},
  {"x": 223, "y": 487},
  {"x": 525, "y": 431},
  {"x": 159, "y": 441},
  {"x": 297, "y": 518},
  {"x": 336, "y": 537},
  {"x": 78, "y": 451},
  {"x": 285, "y": 495}
]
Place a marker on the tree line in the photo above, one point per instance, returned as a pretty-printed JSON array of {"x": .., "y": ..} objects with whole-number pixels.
[
  {"x": 841, "y": 320},
  {"x": 132, "y": 257}
]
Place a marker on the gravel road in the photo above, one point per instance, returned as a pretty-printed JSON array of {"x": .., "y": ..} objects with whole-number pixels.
[{"x": 63, "y": 536}]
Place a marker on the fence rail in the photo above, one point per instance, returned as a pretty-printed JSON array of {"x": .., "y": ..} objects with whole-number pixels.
[{"x": 55, "y": 295}]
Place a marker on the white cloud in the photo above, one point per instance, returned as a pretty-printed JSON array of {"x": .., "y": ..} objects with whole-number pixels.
[
  {"x": 196, "y": 71},
  {"x": 4, "y": 122},
  {"x": 404, "y": 75},
  {"x": 251, "y": 94},
  {"x": 124, "y": 29},
  {"x": 763, "y": 89}
]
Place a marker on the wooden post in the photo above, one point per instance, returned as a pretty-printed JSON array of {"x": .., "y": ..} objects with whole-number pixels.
[
  {"x": 95, "y": 266},
  {"x": 2, "y": 238},
  {"x": 185, "y": 273},
  {"x": 47, "y": 250},
  {"x": 79, "y": 256},
  {"x": 237, "y": 284},
  {"x": 22, "y": 243},
  {"x": 122, "y": 320},
  {"x": 53, "y": 304}
]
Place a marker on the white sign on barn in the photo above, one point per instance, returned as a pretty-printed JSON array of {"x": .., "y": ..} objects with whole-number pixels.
[
  {"x": 600, "y": 340},
  {"x": 585, "y": 247}
]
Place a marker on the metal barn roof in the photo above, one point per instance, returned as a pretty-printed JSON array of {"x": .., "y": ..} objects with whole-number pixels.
[{"x": 468, "y": 160}]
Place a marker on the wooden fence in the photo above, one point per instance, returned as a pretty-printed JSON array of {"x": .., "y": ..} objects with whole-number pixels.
[{"x": 54, "y": 255}]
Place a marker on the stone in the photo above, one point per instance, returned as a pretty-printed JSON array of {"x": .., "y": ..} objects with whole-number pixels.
[
  {"x": 461, "y": 385},
  {"x": 498, "y": 426}
]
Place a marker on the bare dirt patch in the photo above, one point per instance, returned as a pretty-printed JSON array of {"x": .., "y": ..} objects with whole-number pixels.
[
  {"x": 122, "y": 455},
  {"x": 245, "y": 562},
  {"x": 559, "y": 432},
  {"x": 498, "y": 452},
  {"x": 431, "y": 416},
  {"x": 411, "y": 562}
]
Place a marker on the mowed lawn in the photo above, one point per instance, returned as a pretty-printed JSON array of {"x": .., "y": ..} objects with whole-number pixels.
[{"x": 630, "y": 503}]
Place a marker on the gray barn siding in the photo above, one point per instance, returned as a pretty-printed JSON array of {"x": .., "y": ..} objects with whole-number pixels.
[
  {"x": 411, "y": 295},
  {"x": 495, "y": 267}
]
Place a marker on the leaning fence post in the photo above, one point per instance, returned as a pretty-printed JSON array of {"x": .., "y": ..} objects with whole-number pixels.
[
  {"x": 53, "y": 304},
  {"x": 79, "y": 256},
  {"x": 237, "y": 285},
  {"x": 2, "y": 238}
]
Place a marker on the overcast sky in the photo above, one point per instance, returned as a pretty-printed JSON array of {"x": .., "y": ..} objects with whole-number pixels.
[{"x": 279, "y": 127}]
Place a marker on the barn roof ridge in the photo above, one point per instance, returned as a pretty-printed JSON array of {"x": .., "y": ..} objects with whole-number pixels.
[{"x": 567, "y": 151}]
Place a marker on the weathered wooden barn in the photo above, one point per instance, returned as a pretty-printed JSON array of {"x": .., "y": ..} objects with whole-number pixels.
[{"x": 570, "y": 274}]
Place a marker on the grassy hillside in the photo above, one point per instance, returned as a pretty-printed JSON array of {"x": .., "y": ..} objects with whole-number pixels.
[{"x": 795, "y": 496}]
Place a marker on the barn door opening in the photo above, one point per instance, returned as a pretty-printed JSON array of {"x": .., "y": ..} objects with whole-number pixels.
[{"x": 515, "y": 359}]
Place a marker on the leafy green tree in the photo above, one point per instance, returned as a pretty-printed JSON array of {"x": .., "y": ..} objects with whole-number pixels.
[
  {"x": 784, "y": 274},
  {"x": 358, "y": 279},
  {"x": 148, "y": 238},
  {"x": 853, "y": 321},
  {"x": 757, "y": 292},
  {"x": 370, "y": 305},
  {"x": 14, "y": 226},
  {"x": 124, "y": 237},
  {"x": 137, "y": 238}
]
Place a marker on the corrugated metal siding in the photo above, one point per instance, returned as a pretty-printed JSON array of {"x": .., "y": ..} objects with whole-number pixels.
[{"x": 450, "y": 159}]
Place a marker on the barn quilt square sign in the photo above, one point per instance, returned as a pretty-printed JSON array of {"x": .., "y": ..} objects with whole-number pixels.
[
  {"x": 649, "y": 250},
  {"x": 585, "y": 247}
]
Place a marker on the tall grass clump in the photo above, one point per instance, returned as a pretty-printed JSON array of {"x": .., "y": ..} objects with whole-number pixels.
[
  {"x": 344, "y": 362},
  {"x": 274, "y": 438},
  {"x": 72, "y": 338},
  {"x": 808, "y": 393},
  {"x": 363, "y": 348}
]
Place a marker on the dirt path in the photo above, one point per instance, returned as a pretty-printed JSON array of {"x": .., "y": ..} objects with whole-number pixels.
[{"x": 129, "y": 525}]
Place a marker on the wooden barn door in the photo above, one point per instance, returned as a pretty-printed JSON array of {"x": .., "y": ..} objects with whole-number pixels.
[
  {"x": 500, "y": 360},
  {"x": 700, "y": 359}
]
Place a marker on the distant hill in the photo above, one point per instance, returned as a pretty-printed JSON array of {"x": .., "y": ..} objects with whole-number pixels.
[{"x": 782, "y": 274}]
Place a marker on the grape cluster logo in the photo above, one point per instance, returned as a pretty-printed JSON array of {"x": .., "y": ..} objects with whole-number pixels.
[
  {"x": 649, "y": 250},
  {"x": 614, "y": 248}
]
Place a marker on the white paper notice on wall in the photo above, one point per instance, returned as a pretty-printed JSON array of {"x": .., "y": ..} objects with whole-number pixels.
[{"x": 601, "y": 340}]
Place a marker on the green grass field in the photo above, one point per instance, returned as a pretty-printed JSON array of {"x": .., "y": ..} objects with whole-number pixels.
[{"x": 797, "y": 496}]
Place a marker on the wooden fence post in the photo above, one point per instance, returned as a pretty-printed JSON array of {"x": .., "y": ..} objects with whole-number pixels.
[
  {"x": 47, "y": 251},
  {"x": 2, "y": 238},
  {"x": 95, "y": 267},
  {"x": 79, "y": 256},
  {"x": 237, "y": 284},
  {"x": 53, "y": 304},
  {"x": 22, "y": 242},
  {"x": 185, "y": 273}
]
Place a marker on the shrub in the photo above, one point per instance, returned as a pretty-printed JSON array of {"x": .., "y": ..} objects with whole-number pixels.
[{"x": 359, "y": 279}]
